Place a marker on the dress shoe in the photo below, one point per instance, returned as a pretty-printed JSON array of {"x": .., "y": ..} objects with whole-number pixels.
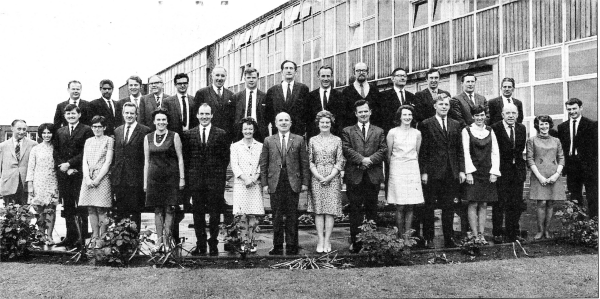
[
  {"x": 276, "y": 251},
  {"x": 355, "y": 247},
  {"x": 228, "y": 247},
  {"x": 64, "y": 243},
  {"x": 428, "y": 244},
  {"x": 291, "y": 250},
  {"x": 213, "y": 250},
  {"x": 198, "y": 251},
  {"x": 538, "y": 236},
  {"x": 498, "y": 240}
]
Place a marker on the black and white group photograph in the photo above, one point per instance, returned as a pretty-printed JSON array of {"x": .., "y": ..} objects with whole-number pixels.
[{"x": 299, "y": 149}]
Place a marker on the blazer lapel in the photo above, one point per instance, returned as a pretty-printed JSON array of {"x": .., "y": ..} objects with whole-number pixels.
[
  {"x": 441, "y": 131},
  {"x": 134, "y": 134},
  {"x": 289, "y": 144},
  {"x": 277, "y": 138},
  {"x": 12, "y": 144},
  {"x": 358, "y": 131}
]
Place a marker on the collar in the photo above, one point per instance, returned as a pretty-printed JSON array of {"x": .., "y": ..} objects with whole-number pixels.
[
  {"x": 159, "y": 95},
  {"x": 286, "y": 134},
  {"x": 367, "y": 124},
  {"x": 248, "y": 90},
  {"x": 105, "y": 99},
  {"x": 15, "y": 140},
  {"x": 577, "y": 119},
  {"x": 506, "y": 99},
  {"x": 74, "y": 101},
  {"x": 181, "y": 95},
  {"x": 132, "y": 125},
  {"x": 291, "y": 83},
  {"x": 357, "y": 85},
  {"x": 74, "y": 125},
  {"x": 470, "y": 94},
  {"x": 216, "y": 89},
  {"x": 439, "y": 118},
  {"x": 134, "y": 98},
  {"x": 201, "y": 127},
  {"x": 398, "y": 89},
  {"x": 506, "y": 125},
  {"x": 431, "y": 91}
]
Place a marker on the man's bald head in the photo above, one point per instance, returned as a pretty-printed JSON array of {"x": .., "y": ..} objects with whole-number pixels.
[
  {"x": 283, "y": 122},
  {"x": 510, "y": 113}
]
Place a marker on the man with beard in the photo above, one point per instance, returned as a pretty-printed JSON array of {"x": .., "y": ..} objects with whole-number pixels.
[
  {"x": 361, "y": 90},
  {"x": 220, "y": 99},
  {"x": 325, "y": 98},
  {"x": 105, "y": 106},
  {"x": 14, "y": 158},
  {"x": 151, "y": 101}
]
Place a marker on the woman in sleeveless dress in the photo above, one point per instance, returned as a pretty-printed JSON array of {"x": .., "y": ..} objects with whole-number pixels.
[
  {"x": 404, "y": 184},
  {"x": 482, "y": 166},
  {"x": 163, "y": 175}
]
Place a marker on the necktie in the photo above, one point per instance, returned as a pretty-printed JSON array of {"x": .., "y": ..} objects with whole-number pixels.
[
  {"x": 110, "y": 107},
  {"x": 471, "y": 98},
  {"x": 157, "y": 101},
  {"x": 325, "y": 99},
  {"x": 573, "y": 148},
  {"x": 220, "y": 94},
  {"x": 184, "y": 110},
  {"x": 18, "y": 150},
  {"x": 512, "y": 135},
  {"x": 401, "y": 98},
  {"x": 249, "y": 110},
  {"x": 283, "y": 150},
  {"x": 362, "y": 91},
  {"x": 288, "y": 94},
  {"x": 444, "y": 127},
  {"x": 127, "y": 134},
  {"x": 364, "y": 131},
  {"x": 509, "y": 101},
  {"x": 71, "y": 132},
  {"x": 203, "y": 136}
]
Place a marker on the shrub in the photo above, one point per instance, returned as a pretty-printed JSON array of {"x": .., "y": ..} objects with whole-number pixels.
[
  {"x": 16, "y": 231},
  {"x": 382, "y": 246},
  {"x": 579, "y": 229},
  {"x": 236, "y": 235},
  {"x": 120, "y": 243}
]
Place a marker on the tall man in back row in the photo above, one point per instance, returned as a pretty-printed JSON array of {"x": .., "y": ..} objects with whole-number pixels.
[{"x": 220, "y": 99}]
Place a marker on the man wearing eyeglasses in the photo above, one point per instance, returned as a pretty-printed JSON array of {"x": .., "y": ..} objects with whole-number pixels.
[
  {"x": 392, "y": 99},
  {"x": 358, "y": 90},
  {"x": 151, "y": 101},
  {"x": 181, "y": 106}
]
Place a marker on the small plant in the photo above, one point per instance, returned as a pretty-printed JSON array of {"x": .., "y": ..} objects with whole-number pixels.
[
  {"x": 579, "y": 229},
  {"x": 306, "y": 219},
  {"x": 16, "y": 231},
  {"x": 383, "y": 245},
  {"x": 119, "y": 243},
  {"x": 236, "y": 235}
]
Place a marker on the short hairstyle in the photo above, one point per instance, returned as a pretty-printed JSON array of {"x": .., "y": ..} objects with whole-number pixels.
[
  {"x": 573, "y": 101},
  {"x": 43, "y": 127},
  {"x": 98, "y": 119},
  {"x": 398, "y": 115},
  {"x": 507, "y": 79},
  {"x": 180, "y": 76},
  {"x": 360, "y": 103},
  {"x": 161, "y": 111},
  {"x": 72, "y": 107},
  {"x": 14, "y": 122},
  {"x": 431, "y": 71},
  {"x": 286, "y": 61},
  {"x": 249, "y": 70},
  {"x": 398, "y": 69},
  {"x": 478, "y": 109},
  {"x": 130, "y": 104},
  {"x": 107, "y": 81},
  {"x": 462, "y": 78},
  {"x": 218, "y": 67},
  {"x": 440, "y": 97},
  {"x": 510, "y": 105},
  {"x": 324, "y": 67},
  {"x": 134, "y": 78},
  {"x": 324, "y": 114},
  {"x": 253, "y": 123},
  {"x": 157, "y": 76},
  {"x": 542, "y": 119},
  {"x": 204, "y": 105},
  {"x": 73, "y": 81},
  {"x": 354, "y": 67}
]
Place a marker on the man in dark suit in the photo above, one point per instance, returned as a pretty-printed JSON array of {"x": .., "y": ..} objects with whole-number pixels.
[
  {"x": 206, "y": 156},
  {"x": 365, "y": 149},
  {"x": 360, "y": 90},
  {"x": 68, "y": 154},
  {"x": 579, "y": 139},
  {"x": 424, "y": 107},
  {"x": 464, "y": 102},
  {"x": 442, "y": 166},
  {"x": 289, "y": 97},
  {"x": 392, "y": 99},
  {"x": 134, "y": 85},
  {"x": 105, "y": 106},
  {"x": 511, "y": 137},
  {"x": 151, "y": 101},
  {"x": 220, "y": 99},
  {"x": 74, "y": 88},
  {"x": 181, "y": 106},
  {"x": 325, "y": 98},
  {"x": 284, "y": 173},
  {"x": 496, "y": 104},
  {"x": 250, "y": 102},
  {"x": 127, "y": 170}
]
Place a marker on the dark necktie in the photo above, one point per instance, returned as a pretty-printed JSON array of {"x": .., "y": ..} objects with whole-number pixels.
[
  {"x": 283, "y": 151},
  {"x": 203, "y": 136},
  {"x": 110, "y": 107},
  {"x": 401, "y": 98},
  {"x": 185, "y": 110},
  {"x": 471, "y": 99},
  {"x": 362, "y": 91},
  {"x": 512, "y": 135},
  {"x": 18, "y": 151},
  {"x": 364, "y": 131},
  {"x": 127, "y": 134},
  {"x": 157, "y": 101},
  {"x": 71, "y": 132},
  {"x": 325, "y": 99},
  {"x": 288, "y": 94},
  {"x": 249, "y": 110},
  {"x": 220, "y": 94},
  {"x": 444, "y": 127},
  {"x": 574, "y": 149},
  {"x": 509, "y": 101}
]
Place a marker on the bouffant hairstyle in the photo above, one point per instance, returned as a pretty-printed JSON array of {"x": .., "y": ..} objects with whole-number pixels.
[
  {"x": 161, "y": 111},
  {"x": 45, "y": 126},
  {"x": 324, "y": 114},
  {"x": 542, "y": 119},
  {"x": 478, "y": 109},
  {"x": 98, "y": 119},
  {"x": 398, "y": 115},
  {"x": 253, "y": 123}
]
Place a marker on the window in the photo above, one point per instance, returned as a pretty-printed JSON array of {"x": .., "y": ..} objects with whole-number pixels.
[
  {"x": 442, "y": 10},
  {"x": 329, "y": 36},
  {"x": 362, "y": 27},
  {"x": 419, "y": 14},
  {"x": 481, "y": 4},
  {"x": 385, "y": 17},
  {"x": 517, "y": 67},
  {"x": 401, "y": 16},
  {"x": 585, "y": 90},
  {"x": 524, "y": 94},
  {"x": 548, "y": 99},
  {"x": 583, "y": 58},
  {"x": 548, "y": 64},
  {"x": 341, "y": 27}
]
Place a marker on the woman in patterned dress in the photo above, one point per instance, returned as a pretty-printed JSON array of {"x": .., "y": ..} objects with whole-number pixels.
[
  {"x": 96, "y": 191},
  {"x": 41, "y": 181},
  {"x": 326, "y": 162},
  {"x": 247, "y": 192},
  {"x": 404, "y": 183},
  {"x": 163, "y": 175}
]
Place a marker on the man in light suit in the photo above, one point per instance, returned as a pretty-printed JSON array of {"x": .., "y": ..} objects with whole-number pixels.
[
  {"x": 220, "y": 99},
  {"x": 579, "y": 139},
  {"x": 284, "y": 173},
  {"x": 360, "y": 90},
  {"x": 496, "y": 104},
  {"x": 513, "y": 168},
  {"x": 365, "y": 148},
  {"x": 127, "y": 170},
  {"x": 105, "y": 106},
  {"x": 392, "y": 99},
  {"x": 134, "y": 85},
  {"x": 250, "y": 102},
  {"x": 442, "y": 165},
  {"x": 151, "y": 101},
  {"x": 463, "y": 103},
  {"x": 206, "y": 156},
  {"x": 290, "y": 97},
  {"x": 325, "y": 98},
  {"x": 14, "y": 158},
  {"x": 424, "y": 107},
  {"x": 74, "y": 89},
  {"x": 181, "y": 106}
]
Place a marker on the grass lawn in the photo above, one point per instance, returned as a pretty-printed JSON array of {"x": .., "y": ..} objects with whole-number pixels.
[{"x": 555, "y": 276}]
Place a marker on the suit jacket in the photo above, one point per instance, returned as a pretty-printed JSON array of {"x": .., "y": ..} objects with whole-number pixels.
[
  {"x": 69, "y": 148},
  {"x": 387, "y": 107},
  {"x": 335, "y": 104},
  {"x": 295, "y": 107},
  {"x": 438, "y": 152},
  {"x": 508, "y": 153},
  {"x": 296, "y": 159},
  {"x": 497, "y": 104},
  {"x": 206, "y": 166},
  {"x": 147, "y": 106},
  {"x": 12, "y": 169},
  {"x": 424, "y": 104},
  {"x": 223, "y": 109},
  {"x": 240, "y": 112},
  {"x": 586, "y": 142},
  {"x": 461, "y": 108},
  {"x": 351, "y": 96},
  {"x": 127, "y": 168},
  {"x": 175, "y": 117},
  {"x": 86, "y": 113},
  {"x": 99, "y": 107},
  {"x": 356, "y": 148},
  {"x": 127, "y": 100}
]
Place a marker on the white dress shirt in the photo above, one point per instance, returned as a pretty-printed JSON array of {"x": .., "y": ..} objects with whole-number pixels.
[
  {"x": 287, "y": 140},
  {"x": 111, "y": 105},
  {"x": 401, "y": 95},
  {"x": 366, "y": 87},
  {"x": 284, "y": 85},
  {"x": 185, "y": 110},
  {"x": 135, "y": 100},
  {"x": 507, "y": 129},
  {"x": 159, "y": 98},
  {"x": 133, "y": 125},
  {"x": 76, "y": 102},
  {"x": 505, "y": 101},
  {"x": 321, "y": 91},
  {"x": 480, "y": 133},
  {"x": 254, "y": 100},
  {"x": 201, "y": 129},
  {"x": 443, "y": 123},
  {"x": 571, "y": 133},
  {"x": 367, "y": 125}
]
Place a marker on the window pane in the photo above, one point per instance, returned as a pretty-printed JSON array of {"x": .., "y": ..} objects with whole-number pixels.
[
  {"x": 355, "y": 34},
  {"x": 279, "y": 41},
  {"x": 317, "y": 25},
  {"x": 585, "y": 90},
  {"x": 385, "y": 18},
  {"x": 517, "y": 67},
  {"x": 297, "y": 42},
  {"x": 306, "y": 51},
  {"x": 462, "y": 7},
  {"x": 308, "y": 29},
  {"x": 317, "y": 48},
  {"x": 342, "y": 27},
  {"x": 329, "y": 3},
  {"x": 548, "y": 99},
  {"x": 420, "y": 14},
  {"x": 548, "y": 64},
  {"x": 289, "y": 44},
  {"x": 486, "y": 3},
  {"x": 442, "y": 10},
  {"x": 583, "y": 59},
  {"x": 524, "y": 95},
  {"x": 329, "y": 39},
  {"x": 369, "y": 7},
  {"x": 355, "y": 10},
  {"x": 401, "y": 16},
  {"x": 370, "y": 31}
]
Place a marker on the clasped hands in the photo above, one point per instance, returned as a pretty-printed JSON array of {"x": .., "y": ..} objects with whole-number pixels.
[
  {"x": 365, "y": 163},
  {"x": 551, "y": 180},
  {"x": 470, "y": 181}
]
